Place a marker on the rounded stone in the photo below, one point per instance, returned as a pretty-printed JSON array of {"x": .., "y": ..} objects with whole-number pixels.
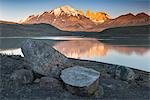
[{"x": 81, "y": 81}]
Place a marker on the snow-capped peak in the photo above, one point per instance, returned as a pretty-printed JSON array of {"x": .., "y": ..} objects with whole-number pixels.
[
  {"x": 66, "y": 10},
  {"x": 26, "y": 18},
  {"x": 63, "y": 10}
]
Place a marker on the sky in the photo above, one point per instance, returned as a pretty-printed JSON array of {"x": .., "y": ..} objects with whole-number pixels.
[{"x": 15, "y": 10}]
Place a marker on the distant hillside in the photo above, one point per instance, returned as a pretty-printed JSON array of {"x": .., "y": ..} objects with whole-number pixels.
[
  {"x": 128, "y": 31},
  {"x": 10, "y": 30},
  {"x": 132, "y": 35},
  {"x": 7, "y": 22},
  {"x": 28, "y": 30}
]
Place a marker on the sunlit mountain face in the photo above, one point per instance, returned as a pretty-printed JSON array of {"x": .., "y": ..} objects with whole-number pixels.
[
  {"x": 64, "y": 18},
  {"x": 69, "y": 19},
  {"x": 66, "y": 10},
  {"x": 94, "y": 48}
]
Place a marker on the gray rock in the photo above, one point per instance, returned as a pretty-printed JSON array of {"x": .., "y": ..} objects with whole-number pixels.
[
  {"x": 37, "y": 80},
  {"x": 49, "y": 82},
  {"x": 55, "y": 72},
  {"x": 22, "y": 76},
  {"x": 81, "y": 81},
  {"x": 43, "y": 57},
  {"x": 125, "y": 73}
]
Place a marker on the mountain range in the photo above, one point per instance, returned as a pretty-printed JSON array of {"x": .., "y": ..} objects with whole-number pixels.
[
  {"x": 68, "y": 19},
  {"x": 127, "y": 20},
  {"x": 64, "y": 18}
]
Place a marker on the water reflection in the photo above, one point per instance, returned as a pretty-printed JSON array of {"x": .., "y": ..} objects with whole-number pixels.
[
  {"x": 135, "y": 57},
  {"x": 77, "y": 49},
  {"x": 93, "y": 48}
]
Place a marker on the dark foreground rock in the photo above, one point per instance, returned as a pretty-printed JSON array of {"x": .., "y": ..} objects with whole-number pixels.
[
  {"x": 43, "y": 58},
  {"x": 81, "y": 81},
  {"x": 49, "y": 82},
  {"x": 22, "y": 76},
  {"x": 113, "y": 88}
]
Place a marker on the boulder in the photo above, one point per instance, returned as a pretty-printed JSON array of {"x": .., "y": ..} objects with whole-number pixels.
[
  {"x": 22, "y": 76},
  {"x": 49, "y": 82},
  {"x": 81, "y": 81},
  {"x": 125, "y": 73},
  {"x": 42, "y": 57},
  {"x": 55, "y": 72}
]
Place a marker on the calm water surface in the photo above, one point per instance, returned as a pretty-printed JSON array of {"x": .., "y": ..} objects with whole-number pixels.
[{"x": 135, "y": 56}]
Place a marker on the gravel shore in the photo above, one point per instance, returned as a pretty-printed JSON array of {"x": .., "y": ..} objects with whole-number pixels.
[{"x": 114, "y": 88}]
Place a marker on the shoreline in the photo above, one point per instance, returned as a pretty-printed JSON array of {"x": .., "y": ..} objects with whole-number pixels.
[
  {"x": 83, "y": 62},
  {"x": 88, "y": 61},
  {"x": 107, "y": 64}
]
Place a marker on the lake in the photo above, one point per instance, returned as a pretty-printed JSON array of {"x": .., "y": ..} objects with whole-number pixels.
[{"x": 131, "y": 54}]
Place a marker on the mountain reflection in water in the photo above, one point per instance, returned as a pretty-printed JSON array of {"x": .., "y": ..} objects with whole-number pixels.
[{"x": 93, "y": 48}]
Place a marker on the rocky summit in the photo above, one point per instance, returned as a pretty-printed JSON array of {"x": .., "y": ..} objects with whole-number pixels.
[{"x": 44, "y": 59}]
